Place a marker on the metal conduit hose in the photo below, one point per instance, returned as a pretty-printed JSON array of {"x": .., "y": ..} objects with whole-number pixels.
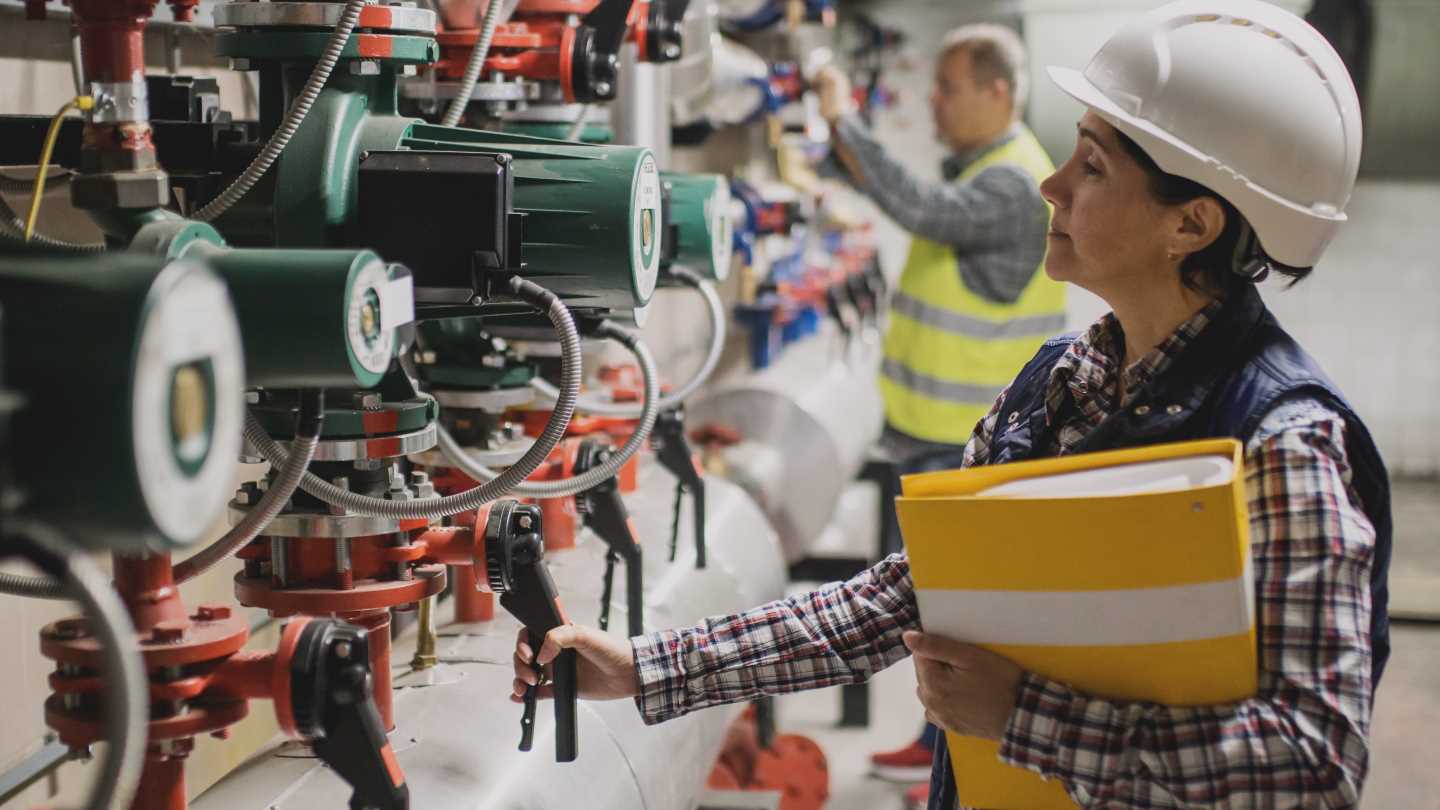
[
  {"x": 302, "y": 451},
  {"x": 476, "y": 63},
  {"x": 430, "y": 509},
  {"x": 649, "y": 411},
  {"x": 127, "y": 704},
  {"x": 293, "y": 117},
  {"x": 715, "y": 308},
  {"x": 12, "y": 227}
]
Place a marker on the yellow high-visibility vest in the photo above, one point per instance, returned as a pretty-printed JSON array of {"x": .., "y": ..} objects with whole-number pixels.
[{"x": 949, "y": 352}]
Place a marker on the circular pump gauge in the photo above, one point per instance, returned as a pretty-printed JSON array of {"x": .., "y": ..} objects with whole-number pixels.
[
  {"x": 186, "y": 398},
  {"x": 646, "y": 229}
]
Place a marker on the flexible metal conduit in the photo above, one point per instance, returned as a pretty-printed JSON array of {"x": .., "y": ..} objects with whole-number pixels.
[
  {"x": 431, "y": 509},
  {"x": 12, "y": 227},
  {"x": 715, "y": 308},
  {"x": 476, "y": 63},
  {"x": 127, "y": 705},
  {"x": 571, "y": 486},
  {"x": 293, "y": 117},
  {"x": 302, "y": 451}
]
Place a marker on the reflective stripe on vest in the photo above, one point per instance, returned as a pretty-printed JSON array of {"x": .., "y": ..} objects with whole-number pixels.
[{"x": 949, "y": 353}]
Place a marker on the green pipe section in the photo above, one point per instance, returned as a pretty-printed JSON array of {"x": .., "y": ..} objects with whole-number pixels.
[
  {"x": 700, "y": 210},
  {"x": 132, "y": 380}
]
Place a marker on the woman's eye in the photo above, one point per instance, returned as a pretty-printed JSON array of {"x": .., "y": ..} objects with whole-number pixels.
[{"x": 1091, "y": 169}]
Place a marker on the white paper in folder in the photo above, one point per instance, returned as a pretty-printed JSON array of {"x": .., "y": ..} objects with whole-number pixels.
[{"x": 1125, "y": 479}]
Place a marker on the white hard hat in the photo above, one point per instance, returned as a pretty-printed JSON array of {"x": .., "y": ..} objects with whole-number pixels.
[{"x": 1244, "y": 98}]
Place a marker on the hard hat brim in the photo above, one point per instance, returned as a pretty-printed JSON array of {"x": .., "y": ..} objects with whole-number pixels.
[{"x": 1289, "y": 233}]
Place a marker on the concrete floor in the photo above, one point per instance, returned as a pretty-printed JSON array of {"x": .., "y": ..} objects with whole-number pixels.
[{"x": 1405, "y": 743}]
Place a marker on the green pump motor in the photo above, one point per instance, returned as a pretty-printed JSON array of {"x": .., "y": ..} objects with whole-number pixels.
[
  {"x": 699, "y": 222},
  {"x": 309, "y": 318},
  {"x": 132, "y": 377},
  {"x": 463, "y": 209}
]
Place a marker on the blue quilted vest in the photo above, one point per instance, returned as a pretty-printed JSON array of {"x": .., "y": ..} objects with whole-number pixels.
[{"x": 1223, "y": 384}]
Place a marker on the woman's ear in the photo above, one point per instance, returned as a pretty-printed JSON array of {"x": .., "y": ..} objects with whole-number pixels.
[{"x": 1201, "y": 222}]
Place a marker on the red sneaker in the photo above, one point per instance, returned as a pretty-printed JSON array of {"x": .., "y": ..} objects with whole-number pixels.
[
  {"x": 917, "y": 797},
  {"x": 909, "y": 764}
]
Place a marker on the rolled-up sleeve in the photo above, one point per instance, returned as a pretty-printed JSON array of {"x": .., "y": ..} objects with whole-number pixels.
[{"x": 842, "y": 633}]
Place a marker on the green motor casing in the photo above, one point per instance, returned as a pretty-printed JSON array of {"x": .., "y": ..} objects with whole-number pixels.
[
  {"x": 593, "y": 220},
  {"x": 314, "y": 318},
  {"x": 700, "y": 212},
  {"x": 132, "y": 376}
]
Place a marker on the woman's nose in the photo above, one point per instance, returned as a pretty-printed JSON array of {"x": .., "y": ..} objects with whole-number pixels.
[{"x": 1053, "y": 189}]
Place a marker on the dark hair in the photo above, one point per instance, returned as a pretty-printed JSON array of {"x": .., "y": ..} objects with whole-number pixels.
[{"x": 1211, "y": 269}]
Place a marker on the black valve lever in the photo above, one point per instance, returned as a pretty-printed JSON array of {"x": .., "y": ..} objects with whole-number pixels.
[
  {"x": 595, "y": 61},
  {"x": 515, "y": 568},
  {"x": 333, "y": 706},
  {"x": 673, "y": 450},
  {"x": 836, "y": 309},
  {"x": 604, "y": 512}
]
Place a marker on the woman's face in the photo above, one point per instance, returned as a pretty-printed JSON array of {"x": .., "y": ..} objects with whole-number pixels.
[{"x": 1108, "y": 234}]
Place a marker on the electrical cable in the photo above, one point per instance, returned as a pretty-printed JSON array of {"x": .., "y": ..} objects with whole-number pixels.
[
  {"x": 471, "y": 75},
  {"x": 299, "y": 108},
  {"x": 715, "y": 309},
  {"x": 309, "y": 424},
  {"x": 127, "y": 704},
  {"x": 650, "y": 410},
  {"x": 81, "y": 103},
  {"x": 501, "y": 485}
]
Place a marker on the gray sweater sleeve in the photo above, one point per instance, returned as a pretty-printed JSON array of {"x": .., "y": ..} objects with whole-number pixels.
[{"x": 995, "y": 221}]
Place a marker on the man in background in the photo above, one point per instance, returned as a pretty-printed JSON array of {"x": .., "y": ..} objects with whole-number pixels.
[{"x": 973, "y": 304}]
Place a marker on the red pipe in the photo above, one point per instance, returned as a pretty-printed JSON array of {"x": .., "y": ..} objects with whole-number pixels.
[
  {"x": 162, "y": 782},
  {"x": 377, "y": 623},
  {"x": 246, "y": 675},
  {"x": 147, "y": 586},
  {"x": 471, "y": 605},
  {"x": 112, "y": 38}
]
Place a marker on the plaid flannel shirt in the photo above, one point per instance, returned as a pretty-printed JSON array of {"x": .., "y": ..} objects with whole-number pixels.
[{"x": 1300, "y": 742}]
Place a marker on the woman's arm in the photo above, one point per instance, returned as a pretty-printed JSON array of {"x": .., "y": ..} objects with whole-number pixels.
[
  {"x": 1302, "y": 740},
  {"x": 842, "y": 633}
]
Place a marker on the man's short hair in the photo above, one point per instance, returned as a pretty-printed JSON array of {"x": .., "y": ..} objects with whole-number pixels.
[{"x": 996, "y": 52}]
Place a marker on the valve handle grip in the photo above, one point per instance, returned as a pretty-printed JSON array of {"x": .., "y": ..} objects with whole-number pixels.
[{"x": 334, "y": 707}]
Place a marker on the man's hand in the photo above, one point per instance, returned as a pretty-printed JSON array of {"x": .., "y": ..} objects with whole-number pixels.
[
  {"x": 963, "y": 688},
  {"x": 606, "y": 668},
  {"x": 836, "y": 98}
]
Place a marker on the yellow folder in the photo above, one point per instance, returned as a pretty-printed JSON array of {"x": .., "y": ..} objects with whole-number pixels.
[{"x": 1141, "y": 596}]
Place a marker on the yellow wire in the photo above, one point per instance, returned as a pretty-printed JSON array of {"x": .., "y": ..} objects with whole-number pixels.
[{"x": 79, "y": 103}]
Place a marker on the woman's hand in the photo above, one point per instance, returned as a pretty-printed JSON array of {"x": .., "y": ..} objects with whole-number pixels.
[
  {"x": 833, "y": 87},
  {"x": 963, "y": 688},
  {"x": 606, "y": 668}
]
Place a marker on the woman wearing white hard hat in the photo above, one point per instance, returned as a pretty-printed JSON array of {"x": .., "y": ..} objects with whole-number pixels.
[{"x": 1220, "y": 146}]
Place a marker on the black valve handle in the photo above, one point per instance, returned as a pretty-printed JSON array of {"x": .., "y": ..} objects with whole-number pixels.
[
  {"x": 515, "y": 567},
  {"x": 604, "y": 512},
  {"x": 333, "y": 706},
  {"x": 673, "y": 450}
]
